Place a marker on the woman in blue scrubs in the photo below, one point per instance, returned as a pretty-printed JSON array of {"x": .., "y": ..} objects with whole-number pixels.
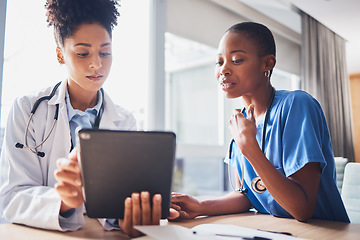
[{"x": 282, "y": 148}]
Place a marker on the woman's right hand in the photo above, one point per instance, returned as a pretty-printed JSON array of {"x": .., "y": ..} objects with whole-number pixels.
[
  {"x": 69, "y": 184},
  {"x": 243, "y": 130},
  {"x": 184, "y": 207}
]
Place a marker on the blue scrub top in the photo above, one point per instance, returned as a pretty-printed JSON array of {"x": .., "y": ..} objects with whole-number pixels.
[{"x": 296, "y": 134}]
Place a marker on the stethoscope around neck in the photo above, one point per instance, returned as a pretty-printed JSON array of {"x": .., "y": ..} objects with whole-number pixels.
[
  {"x": 257, "y": 184},
  {"x": 56, "y": 115}
]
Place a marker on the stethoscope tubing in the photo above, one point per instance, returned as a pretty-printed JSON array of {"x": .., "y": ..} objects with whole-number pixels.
[
  {"x": 47, "y": 136},
  {"x": 267, "y": 114},
  {"x": 56, "y": 115}
]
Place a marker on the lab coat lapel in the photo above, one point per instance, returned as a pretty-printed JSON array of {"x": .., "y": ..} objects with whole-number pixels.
[
  {"x": 111, "y": 118},
  {"x": 62, "y": 130},
  {"x": 61, "y": 143}
]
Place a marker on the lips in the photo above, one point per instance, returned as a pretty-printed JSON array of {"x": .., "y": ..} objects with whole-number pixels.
[
  {"x": 95, "y": 77},
  {"x": 226, "y": 84}
]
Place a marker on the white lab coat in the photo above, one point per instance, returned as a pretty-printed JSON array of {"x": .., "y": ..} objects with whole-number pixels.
[{"x": 27, "y": 193}]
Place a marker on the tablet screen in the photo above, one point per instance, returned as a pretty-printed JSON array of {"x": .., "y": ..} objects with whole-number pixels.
[{"x": 115, "y": 163}]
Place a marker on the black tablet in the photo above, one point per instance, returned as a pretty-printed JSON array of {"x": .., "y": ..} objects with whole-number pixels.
[{"x": 116, "y": 163}]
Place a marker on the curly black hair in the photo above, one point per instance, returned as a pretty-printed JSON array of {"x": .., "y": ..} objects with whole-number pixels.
[{"x": 66, "y": 15}]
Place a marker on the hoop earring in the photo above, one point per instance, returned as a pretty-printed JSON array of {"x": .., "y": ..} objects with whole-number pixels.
[{"x": 267, "y": 73}]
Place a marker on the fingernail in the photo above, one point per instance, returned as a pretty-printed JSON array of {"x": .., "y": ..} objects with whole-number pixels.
[
  {"x": 145, "y": 194},
  {"x": 75, "y": 193},
  {"x": 64, "y": 161},
  {"x": 78, "y": 182},
  {"x": 135, "y": 195},
  {"x": 60, "y": 161},
  {"x": 157, "y": 197}
]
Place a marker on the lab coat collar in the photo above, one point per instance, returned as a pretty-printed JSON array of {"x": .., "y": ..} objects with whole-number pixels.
[
  {"x": 59, "y": 97},
  {"x": 112, "y": 114},
  {"x": 111, "y": 117}
]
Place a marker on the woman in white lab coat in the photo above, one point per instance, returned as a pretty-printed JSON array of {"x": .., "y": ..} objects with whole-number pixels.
[
  {"x": 27, "y": 192},
  {"x": 41, "y": 187}
]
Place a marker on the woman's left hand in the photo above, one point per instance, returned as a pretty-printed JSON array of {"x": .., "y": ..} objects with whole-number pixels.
[
  {"x": 138, "y": 212},
  {"x": 242, "y": 129}
]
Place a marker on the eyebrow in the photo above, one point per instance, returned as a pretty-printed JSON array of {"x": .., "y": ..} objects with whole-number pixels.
[
  {"x": 89, "y": 45},
  {"x": 235, "y": 51}
]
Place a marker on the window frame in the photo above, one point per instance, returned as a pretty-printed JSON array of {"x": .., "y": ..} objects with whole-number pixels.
[{"x": 2, "y": 44}]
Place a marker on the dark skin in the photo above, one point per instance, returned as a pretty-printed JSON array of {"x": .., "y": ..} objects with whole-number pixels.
[
  {"x": 187, "y": 207},
  {"x": 240, "y": 70}
]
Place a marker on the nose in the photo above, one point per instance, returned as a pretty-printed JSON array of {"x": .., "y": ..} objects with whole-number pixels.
[
  {"x": 95, "y": 62},
  {"x": 224, "y": 70}
]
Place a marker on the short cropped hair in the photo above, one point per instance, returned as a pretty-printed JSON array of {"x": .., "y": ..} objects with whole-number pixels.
[
  {"x": 66, "y": 15},
  {"x": 259, "y": 34}
]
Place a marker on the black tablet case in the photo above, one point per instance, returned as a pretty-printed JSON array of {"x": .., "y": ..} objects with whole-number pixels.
[{"x": 116, "y": 163}]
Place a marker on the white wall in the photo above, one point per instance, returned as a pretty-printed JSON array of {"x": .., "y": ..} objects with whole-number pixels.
[{"x": 199, "y": 20}]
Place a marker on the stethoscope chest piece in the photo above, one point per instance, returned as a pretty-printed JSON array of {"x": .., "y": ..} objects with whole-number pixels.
[{"x": 258, "y": 185}]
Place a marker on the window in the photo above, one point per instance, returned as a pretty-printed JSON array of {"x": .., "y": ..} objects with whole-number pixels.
[
  {"x": 282, "y": 80},
  {"x": 192, "y": 99},
  {"x": 29, "y": 55},
  {"x": 194, "y": 113}
]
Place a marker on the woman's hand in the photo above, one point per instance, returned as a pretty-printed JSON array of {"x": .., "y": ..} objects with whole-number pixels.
[
  {"x": 242, "y": 129},
  {"x": 184, "y": 207},
  {"x": 138, "y": 212},
  {"x": 69, "y": 184}
]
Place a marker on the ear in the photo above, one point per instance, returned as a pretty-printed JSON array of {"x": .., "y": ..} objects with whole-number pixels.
[
  {"x": 59, "y": 55},
  {"x": 269, "y": 62}
]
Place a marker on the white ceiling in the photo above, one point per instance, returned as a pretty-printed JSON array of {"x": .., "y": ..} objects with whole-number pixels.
[{"x": 341, "y": 16}]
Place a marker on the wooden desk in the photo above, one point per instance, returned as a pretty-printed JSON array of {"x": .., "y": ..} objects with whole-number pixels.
[
  {"x": 91, "y": 230},
  {"x": 314, "y": 229}
]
